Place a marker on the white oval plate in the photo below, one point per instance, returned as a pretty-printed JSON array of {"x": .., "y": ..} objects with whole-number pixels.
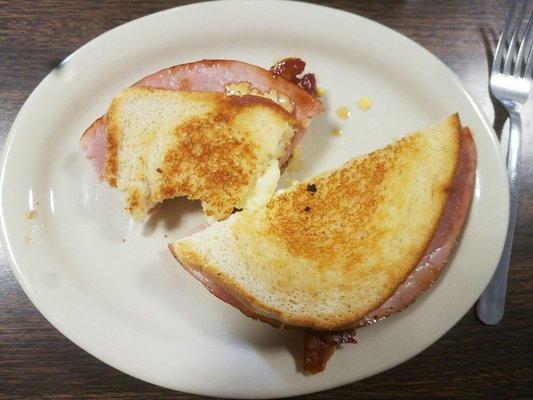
[{"x": 129, "y": 303}]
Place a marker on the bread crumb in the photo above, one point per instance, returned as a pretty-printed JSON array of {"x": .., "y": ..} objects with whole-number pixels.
[
  {"x": 364, "y": 103},
  {"x": 31, "y": 215},
  {"x": 336, "y": 132},
  {"x": 343, "y": 112},
  {"x": 320, "y": 91},
  {"x": 28, "y": 239}
]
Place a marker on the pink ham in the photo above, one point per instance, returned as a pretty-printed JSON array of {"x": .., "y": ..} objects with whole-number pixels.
[
  {"x": 444, "y": 240},
  {"x": 94, "y": 143},
  {"x": 212, "y": 75}
]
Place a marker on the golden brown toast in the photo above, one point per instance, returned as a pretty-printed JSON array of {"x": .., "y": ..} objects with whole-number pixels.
[
  {"x": 206, "y": 146},
  {"x": 326, "y": 252}
]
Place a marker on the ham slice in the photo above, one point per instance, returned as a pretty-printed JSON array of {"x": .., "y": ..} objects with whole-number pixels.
[
  {"x": 94, "y": 143},
  {"x": 319, "y": 346},
  {"x": 213, "y": 75},
  {"x": 444, "y": 240}
]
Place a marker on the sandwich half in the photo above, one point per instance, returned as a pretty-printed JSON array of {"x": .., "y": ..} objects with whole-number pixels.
[
  {"x": 215, "y": 130},
  {"x": 223, "y": 150},
  {"x": 326, "y": 255}
]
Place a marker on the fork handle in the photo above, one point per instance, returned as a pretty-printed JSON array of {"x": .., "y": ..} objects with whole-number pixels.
[{"x": 491, "y": 304}]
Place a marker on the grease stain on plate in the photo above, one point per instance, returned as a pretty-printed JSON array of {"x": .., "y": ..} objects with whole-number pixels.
[{"x": 343, "y": 112}]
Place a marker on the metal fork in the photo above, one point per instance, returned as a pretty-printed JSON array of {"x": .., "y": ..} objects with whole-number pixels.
[{"x": 510, "y": 83}]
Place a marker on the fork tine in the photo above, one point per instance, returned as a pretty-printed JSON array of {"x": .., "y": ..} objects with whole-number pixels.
[
  {"x": 498, "y": 54},
  {"x": 528, "y": 73},
  {"x": 511, "y": 48},
  {"x": 525, "y": 48}
]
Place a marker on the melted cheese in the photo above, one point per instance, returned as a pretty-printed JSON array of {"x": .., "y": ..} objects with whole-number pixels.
[
  {"x": 245, "y": 88},
  {"x": 264, "y": 187}
]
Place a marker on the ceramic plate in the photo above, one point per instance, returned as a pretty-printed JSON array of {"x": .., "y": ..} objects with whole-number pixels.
[{"x": 113, "y": 288}]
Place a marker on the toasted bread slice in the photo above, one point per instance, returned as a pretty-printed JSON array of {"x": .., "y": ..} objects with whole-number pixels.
[
  {"x": 326, "y": 252},
  {"x": 203, "y": 145}
]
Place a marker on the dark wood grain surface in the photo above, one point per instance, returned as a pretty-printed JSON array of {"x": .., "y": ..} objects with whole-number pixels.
[{"x": 470, "y": 361}]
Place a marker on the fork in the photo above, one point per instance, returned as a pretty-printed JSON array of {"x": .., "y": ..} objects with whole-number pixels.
[{"x": 510, "y": 83}]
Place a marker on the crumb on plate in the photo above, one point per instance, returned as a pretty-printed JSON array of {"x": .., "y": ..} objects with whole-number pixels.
[
  {"x": 364, "y": 103},
  {"x": 31, "y": 215}
]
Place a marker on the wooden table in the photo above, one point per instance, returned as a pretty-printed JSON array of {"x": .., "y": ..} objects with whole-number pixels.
[{"x": 470, "y": 361}]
